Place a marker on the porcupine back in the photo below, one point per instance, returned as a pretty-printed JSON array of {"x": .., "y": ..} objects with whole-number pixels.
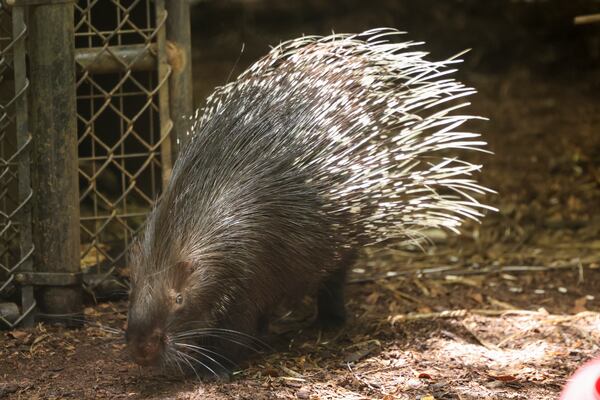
[{"x": 371, "y": 125}]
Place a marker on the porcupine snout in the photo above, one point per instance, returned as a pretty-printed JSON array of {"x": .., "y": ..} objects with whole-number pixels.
[{"x": 145, "y": 347}]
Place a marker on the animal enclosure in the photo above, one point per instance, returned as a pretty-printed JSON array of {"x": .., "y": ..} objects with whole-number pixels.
[{"x": 509, "y": 309}]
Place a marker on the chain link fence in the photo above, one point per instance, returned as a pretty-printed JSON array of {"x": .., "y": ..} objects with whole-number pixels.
[
  {"x": 132, "y": 73},
  {"x": 16, "y": 246},
  {"x": 124, "y": 150}
]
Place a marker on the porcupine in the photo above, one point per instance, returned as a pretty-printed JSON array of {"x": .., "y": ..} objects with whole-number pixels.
[{"x": 324, "y": 145}]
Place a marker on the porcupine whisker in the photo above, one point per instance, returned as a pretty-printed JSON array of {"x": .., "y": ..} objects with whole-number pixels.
[
  {"x": 174, "y": 358},
  {"x": 171, "y": 365},
  {"x": 105, "y": 328},
  {"x": 228, "y": 339},
  {"x": 203, "y": 350},
  {"x": 227, "y": 331},
  {"x": 186, "y": 359},
  {"x": 222, "y": 336},
  {"x": 108, "y": 329},
  {"x": 216, "y": 335},
  {"x": 168, "y": 360},
  {"x": 180, "y": 361},
  {"x": 197, "y": 332},
  {"x": 206, "y": 349},
  {"x": 178, "y": 326},
  {"x": 189, "y": 358},
  {"x": 202, "y": 354},
  {"x": 238, "y": 333}
]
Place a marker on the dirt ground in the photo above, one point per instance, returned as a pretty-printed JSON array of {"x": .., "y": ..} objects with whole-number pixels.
[{"x": 508, "y": 310}]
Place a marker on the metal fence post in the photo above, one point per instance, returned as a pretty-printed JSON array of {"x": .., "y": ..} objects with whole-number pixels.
[
  {"x": 180, "y": 82},
  {"x": 54, "y": 162},
  {"x": 164, "y": 70}
]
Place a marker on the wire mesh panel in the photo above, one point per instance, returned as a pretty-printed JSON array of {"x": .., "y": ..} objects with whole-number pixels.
[
  {"x": 16, "y": 249},
  {"x": 123, "y": 125},
  {"x": 125, "y": 141}
]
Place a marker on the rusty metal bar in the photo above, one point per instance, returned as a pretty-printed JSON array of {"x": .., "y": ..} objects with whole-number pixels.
[
  {"x": 48, "y": 278},
  {"x": 99, "y": 60},
  {"x": 23, "y": 142},
  {"x": 54, "y": 129},
  {"x": 36, "y": 2},
  {"x": 180, "y": 59},
  {"x": 134, "y": 57},
  {"x": 164, "y": 70}
]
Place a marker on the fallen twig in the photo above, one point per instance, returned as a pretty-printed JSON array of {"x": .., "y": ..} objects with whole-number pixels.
[
  {"x": 586, "y": 19},
  {"x": 461, "y": 314}
]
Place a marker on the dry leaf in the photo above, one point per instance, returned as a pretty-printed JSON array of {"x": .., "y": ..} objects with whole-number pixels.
[
  {"x": 372, "y": 298},
  {"x": 579, "y": 305},
  {"x": 40, "y": 338},
  {"x": 503, "y": 377},
  {"x": 19, "y": 335},
  {"x": 478, "y": 297},
  {"x": 90, "y": 311}
]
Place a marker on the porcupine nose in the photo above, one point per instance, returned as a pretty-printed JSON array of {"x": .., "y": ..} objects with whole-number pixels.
[{"x": 146, "y": 348}]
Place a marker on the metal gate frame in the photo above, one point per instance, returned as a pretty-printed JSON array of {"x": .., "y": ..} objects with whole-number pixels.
[{"x": 47, "y": 217}]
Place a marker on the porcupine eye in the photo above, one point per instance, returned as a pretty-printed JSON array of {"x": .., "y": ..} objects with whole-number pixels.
[{"x": 183, "y": 271}]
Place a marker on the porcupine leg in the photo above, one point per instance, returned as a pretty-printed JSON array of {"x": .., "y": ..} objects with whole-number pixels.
[
  {"x": 262, "y": 325},
  {"x": 330, "y": 300}
]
